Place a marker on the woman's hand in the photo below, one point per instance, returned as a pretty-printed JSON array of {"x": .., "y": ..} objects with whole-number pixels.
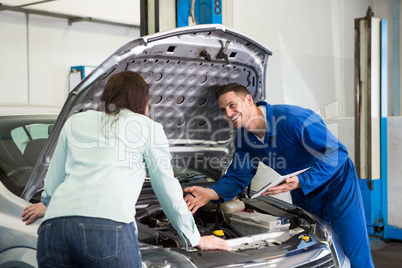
[
  {"x": 213, "y": 242},
  {"x": 32, "y": 212}
]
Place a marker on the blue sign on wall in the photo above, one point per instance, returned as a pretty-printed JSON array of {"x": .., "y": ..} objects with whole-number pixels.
[{"x": 205, "y": 12}]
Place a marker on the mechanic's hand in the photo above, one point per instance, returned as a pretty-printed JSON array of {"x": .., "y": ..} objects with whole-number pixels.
[
  {"x": 213, "y": 242},
  {"x": 289, "y": 185},
  {"x": 198, "y": 196},
  {"x": 32, "y": 212}
]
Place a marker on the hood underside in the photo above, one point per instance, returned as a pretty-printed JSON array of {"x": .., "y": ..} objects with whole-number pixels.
[{"x": 183, "y": 68}]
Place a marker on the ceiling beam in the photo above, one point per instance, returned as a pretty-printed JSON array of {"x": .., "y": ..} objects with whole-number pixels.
[{"x": 71, "y": 18}]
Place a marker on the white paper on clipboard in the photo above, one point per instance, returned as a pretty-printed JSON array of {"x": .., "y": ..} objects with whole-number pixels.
[{"x": 278, "y": 181}]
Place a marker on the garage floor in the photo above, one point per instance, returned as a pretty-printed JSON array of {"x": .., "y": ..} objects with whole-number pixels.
[{"x": 386, "y": 254}]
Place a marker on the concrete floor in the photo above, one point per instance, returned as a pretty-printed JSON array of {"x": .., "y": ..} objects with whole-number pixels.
[{"x": 386, "y": 254}]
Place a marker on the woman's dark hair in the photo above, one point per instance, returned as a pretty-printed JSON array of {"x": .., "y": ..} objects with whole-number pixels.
[
  {"x": 236, "y": 88},
  {"x": 126, "y": 90}
]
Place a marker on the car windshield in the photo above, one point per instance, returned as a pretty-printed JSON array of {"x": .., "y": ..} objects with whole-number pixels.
[{"x": 21, "y": 141}]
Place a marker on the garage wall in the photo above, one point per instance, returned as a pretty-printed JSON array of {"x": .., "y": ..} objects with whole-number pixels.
[
  {"x": 312, "y": 41},
  {"x": 13, "y": 58},
  {"x": 394, "y": 171},
  {"x": 36, "y": 52},
  {"x": 313, "y": 47}
]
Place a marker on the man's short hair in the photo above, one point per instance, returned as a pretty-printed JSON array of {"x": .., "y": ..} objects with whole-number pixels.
[{"x": 232, "y": 87}]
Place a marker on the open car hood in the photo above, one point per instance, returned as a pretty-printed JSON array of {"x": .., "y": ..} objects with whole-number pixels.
[{"x": 183, "y": 68}]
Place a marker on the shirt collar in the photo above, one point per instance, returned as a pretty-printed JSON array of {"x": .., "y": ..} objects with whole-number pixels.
[{"x": 270, "y": 131}]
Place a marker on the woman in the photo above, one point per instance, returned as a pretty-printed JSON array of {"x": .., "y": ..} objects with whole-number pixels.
[{"x": 95, "y": 178}]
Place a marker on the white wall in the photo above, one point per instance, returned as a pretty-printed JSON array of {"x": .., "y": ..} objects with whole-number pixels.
[
  {"x": 394, "y": 182},
  {"x": 312, "y": 42},
  {"x": 36, "y": 52},
  {"x": 313, "y": 47}
]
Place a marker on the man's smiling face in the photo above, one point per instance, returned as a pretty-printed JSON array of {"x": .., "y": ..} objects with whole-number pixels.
[{"x": 235, "y": 108}]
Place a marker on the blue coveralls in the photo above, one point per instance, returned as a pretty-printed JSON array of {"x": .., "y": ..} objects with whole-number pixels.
[{"x": 297, "y": 138}]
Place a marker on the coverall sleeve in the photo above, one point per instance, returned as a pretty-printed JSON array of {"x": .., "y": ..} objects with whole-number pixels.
[
  {"x": 328, "y": 151},
  {"x": 167, "y": 188},
  {"x": 56, "y": 173},
  {"x": 239, "y": 174}
]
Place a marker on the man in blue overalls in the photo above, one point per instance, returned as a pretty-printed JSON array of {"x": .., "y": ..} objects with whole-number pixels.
[{"x": 289, "y": 138}]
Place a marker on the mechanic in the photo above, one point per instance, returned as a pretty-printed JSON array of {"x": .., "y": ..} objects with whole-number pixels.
[
  {"x": 289, "y": 138},
  {"x": 94, "y": 180}
]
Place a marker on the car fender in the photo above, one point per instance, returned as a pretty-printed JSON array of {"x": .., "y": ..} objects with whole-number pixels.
[{"x": 18, "y": 257}]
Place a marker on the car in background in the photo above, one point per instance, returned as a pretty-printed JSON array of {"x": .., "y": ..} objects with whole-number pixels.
[{"x": 182, "y": 67}]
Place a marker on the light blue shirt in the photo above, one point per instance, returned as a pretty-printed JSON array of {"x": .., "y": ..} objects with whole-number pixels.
[{"x": 100, "y": 164}]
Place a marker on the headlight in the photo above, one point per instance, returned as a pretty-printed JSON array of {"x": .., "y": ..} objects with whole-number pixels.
[
  {"x": 327, "y": 233},
  {"x": 324, "y": 231},
  {"x": 156, "y": 257}
]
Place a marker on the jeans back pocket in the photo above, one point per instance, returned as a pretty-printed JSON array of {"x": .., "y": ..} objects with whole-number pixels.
[
  {"x": 42, "y": 252},
  {"x": 100, "y": 242}
]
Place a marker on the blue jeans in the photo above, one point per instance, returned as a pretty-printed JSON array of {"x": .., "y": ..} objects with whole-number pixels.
[{"x": 87, "y": 242}]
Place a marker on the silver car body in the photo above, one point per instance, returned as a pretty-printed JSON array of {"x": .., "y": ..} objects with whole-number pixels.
[
  {"x": 17, "y": 240},
  {"x": 182, "y": 67}
]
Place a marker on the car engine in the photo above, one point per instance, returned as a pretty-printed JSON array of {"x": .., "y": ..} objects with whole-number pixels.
[{"x": 247, "y": 223}]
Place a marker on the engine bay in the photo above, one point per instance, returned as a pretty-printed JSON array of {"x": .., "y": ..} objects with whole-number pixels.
[{"x": 244, "y": 223}]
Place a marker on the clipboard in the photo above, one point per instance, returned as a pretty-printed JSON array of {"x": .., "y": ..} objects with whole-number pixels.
[{"x": 278, "y": 181}]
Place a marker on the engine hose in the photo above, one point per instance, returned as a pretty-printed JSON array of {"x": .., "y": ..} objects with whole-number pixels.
[{"x": 147, "y": 213}]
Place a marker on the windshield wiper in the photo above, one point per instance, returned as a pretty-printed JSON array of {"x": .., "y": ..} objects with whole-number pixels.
[{"x": 191, "y": 177}]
